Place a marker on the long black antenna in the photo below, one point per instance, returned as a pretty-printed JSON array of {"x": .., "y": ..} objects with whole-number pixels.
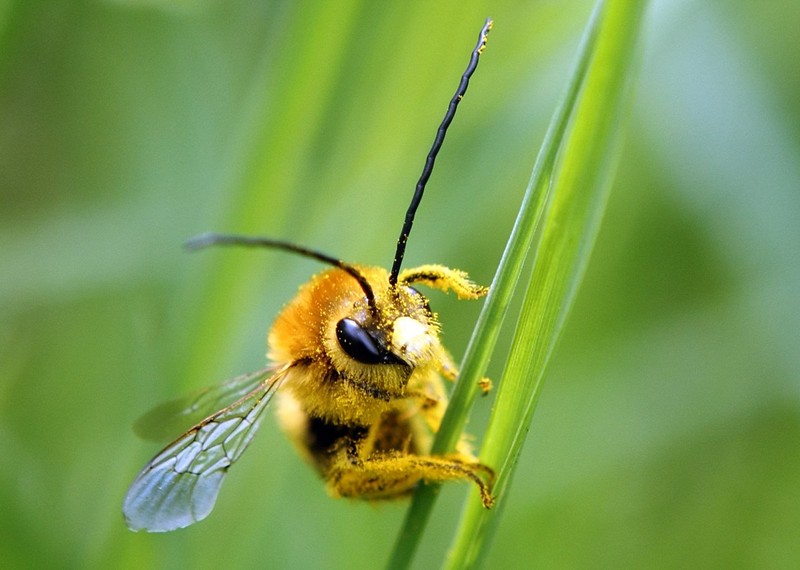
[
  {"x": 437, "y": 144},
  {"x": 212, "y": 239}
]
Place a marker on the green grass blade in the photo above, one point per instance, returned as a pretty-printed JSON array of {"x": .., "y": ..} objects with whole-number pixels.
[
  {"x": 579, "y": 191},
  {"x": 487, "y": 329}
]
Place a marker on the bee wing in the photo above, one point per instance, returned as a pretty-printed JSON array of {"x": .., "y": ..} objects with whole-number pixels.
[
  {"x": 162, "y": 422},
  {"x": 180, "y": 485}
]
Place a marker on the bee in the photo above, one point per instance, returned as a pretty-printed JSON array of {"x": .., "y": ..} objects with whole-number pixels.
[{"x": 357, "y": 368}]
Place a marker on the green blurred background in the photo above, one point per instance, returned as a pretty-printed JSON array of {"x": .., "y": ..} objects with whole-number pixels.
[{"x": 668, "y": 434}]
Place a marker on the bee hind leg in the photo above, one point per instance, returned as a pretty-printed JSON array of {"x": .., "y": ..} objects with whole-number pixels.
[{"x": 392, "y": 475}]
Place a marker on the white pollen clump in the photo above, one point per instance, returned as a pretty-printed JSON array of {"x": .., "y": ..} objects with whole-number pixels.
[{"x": 412, "y": 340}]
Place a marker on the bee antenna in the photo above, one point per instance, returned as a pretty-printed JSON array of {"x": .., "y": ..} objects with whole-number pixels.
[
  {"x": 212, "y": 239},
  {"x": 437, "y": 144}
]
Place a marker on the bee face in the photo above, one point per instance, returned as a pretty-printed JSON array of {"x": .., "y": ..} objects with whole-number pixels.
[
  {"x": 331, "y": 324},
  {"x": 401, "y": 330}
]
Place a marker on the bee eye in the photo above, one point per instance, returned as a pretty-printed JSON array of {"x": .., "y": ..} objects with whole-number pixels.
[{"x": 359, "y": 344}]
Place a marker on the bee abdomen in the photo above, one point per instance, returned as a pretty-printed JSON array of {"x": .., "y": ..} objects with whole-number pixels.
[{"x": 324, "y": 439}]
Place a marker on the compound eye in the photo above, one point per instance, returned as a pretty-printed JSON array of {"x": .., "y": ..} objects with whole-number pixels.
[{"x": 358, "y": 343}]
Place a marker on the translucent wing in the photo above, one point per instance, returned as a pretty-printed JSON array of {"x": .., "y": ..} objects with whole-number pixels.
[
  {"x": 165, "y": 420},
  {"x": 180, "y": 485}
]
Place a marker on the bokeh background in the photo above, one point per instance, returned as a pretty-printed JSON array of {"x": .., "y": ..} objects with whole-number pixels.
[{"x": 669, "y": 428}]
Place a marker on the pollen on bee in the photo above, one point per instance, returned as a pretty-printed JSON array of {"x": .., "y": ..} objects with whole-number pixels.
[{"x": 412, "y": 338}]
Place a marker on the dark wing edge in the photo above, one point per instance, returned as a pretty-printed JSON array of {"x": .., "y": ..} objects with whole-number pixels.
[{"x": 179, "y": 486}]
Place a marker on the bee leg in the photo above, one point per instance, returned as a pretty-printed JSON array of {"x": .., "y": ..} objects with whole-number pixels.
[
  {"x": 394, "y": 475},
  {"x": 450, "y": 371},
  {"x": 447, "y": 367},
  {"x": 445, "y": 279}
]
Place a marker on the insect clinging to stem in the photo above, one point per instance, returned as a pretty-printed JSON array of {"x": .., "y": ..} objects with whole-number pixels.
[{"x": 357, "y": 367}]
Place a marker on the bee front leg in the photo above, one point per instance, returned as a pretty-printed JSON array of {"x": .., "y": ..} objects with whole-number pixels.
[
  {"x": 444, "y": 279},
  {"x": 450, "y": 371}
]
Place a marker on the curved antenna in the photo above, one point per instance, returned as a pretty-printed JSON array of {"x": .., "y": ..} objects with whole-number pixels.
[
  {"x": 437, "y": 144},
  {"x": 211, "y": 239}
]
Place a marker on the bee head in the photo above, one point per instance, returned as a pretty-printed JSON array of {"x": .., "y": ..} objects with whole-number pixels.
[{"x": 399, "y": 330}]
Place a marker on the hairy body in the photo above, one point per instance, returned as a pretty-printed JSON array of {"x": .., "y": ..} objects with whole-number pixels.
[{"x": 367, "y": 428}]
